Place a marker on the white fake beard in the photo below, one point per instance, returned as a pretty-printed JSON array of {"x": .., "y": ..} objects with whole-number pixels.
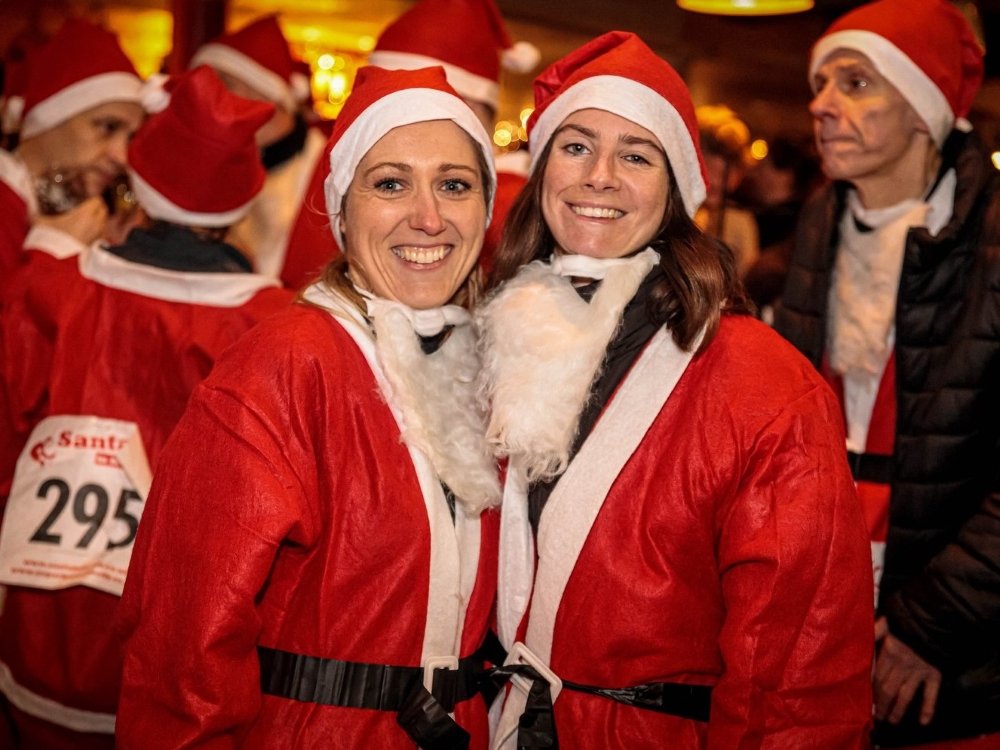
[
  {"x": 542, "y": 346},
  {"x": 436, "y": 395}
]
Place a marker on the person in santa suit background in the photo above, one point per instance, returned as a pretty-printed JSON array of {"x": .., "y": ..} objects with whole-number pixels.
[
  {"x": 683, "y": 558},
  {"x": 316, "y": 566},
  {"x": 80, "y": 107},
  {"x": 255, "y": 62},
  {"x": 99, "y": 369},
  {"x": 469, "y": 39},
  {"x": 892, "y": 294}
]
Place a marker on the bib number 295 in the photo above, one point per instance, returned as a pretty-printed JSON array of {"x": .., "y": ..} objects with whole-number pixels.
[{"x": 90, "y": 506}]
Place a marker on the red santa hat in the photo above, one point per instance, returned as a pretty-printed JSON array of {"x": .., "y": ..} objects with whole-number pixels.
[
  {"x": 195, "y": 160},
  {"x": 258, "y": 55},
  {"x": 618, "y": 73},
  {"x": 467, "y": 38},
  {"x": 380, "y": 101},
  {"x": 925, "y": 48},
  {"x": 12, "y": 102},
  {"x": 79, "y": 68}
]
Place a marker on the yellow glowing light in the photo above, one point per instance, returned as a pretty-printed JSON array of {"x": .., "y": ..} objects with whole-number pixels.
[
  {"x": 758, "y": 149},
  {"x": 746, "y": 7},
  {"x": 525, "y": 114},
  {"x": 366, "y": 43},
  {"x": 502, "y": 138},
  {"x": 325, "y": 62},
  {"x": 995, "y": 157},
  {"x": 522, "y": 135},
  {"x": 338, "y": 87}
]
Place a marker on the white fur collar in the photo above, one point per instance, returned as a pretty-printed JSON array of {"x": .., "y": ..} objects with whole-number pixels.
[
  {"x": 434, "y": 395},
  {"x": 542, "y": 348}
]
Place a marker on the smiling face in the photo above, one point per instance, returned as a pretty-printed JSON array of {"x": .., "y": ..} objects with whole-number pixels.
[
  {"x": 415, "y": 214},
  {"x": 95, "y": 141},
  {"x": 605, "y": 187},
  {"x": 865, "y": 130}
]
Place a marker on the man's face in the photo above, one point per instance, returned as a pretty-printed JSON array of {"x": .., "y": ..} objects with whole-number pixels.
[
  {"x": 864, "y": 127},
  {"x": 94, "y": 141}
]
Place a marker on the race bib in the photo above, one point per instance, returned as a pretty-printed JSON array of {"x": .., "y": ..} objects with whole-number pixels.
[{"x": 74, "y": 508}]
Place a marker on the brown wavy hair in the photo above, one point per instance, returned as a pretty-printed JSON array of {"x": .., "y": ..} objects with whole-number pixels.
[{"x": 700, "y": 278}]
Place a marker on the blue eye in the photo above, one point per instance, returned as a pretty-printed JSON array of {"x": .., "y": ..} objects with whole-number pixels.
[
  {"x": 389, "y": 185},
  {"x": 456, "y": 186},
  {"x": 575, "y": 149},
  {"x": 636, "y": 159}
]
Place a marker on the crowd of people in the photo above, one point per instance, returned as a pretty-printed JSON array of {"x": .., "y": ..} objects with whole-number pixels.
[{"x": 365, "y": 435}]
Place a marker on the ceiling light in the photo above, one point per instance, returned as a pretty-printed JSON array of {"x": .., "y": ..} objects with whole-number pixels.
[{"x": 746, "y": 7}]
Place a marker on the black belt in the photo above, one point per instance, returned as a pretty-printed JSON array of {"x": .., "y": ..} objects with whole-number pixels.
[
  {"x": 332, "y": 682},
  {"x": 870, "y": 467},
  {"x": 537, "y": 728}
]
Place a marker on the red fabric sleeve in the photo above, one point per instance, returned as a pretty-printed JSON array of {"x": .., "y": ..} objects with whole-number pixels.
[
  {"x": 13, "y": 229},
  {"x": 795, "y": 567},
  {"x": 206, "y": 545}
]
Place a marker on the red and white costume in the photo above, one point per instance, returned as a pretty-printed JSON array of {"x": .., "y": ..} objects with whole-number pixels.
[
  {"x": 121, "y": 341},
  {"x": 17, "y": 205},
  {"x": 267, "y": 230},
  {"x": 324, "y": 534},
  {"x": 706, "y": 533}
]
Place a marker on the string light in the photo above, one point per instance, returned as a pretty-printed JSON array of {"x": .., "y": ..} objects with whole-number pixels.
[{"x": 746, "y": 7}]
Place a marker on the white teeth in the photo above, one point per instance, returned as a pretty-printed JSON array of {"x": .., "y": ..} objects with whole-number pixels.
[
  {"x": 597, "y": 213},
  {"x": 421, "y": 255}
]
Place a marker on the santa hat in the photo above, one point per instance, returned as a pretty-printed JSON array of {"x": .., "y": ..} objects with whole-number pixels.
[
  {"x": 79, "y": 68},
  {"x": 12, "y": 102},
  {"x": 467, "y": 38},
  {"x": 380, "y": 101},
  {"x": 925, "y": 48},
  {"x": 258, "y": 55},
  {"x": 618, "y": 73},
  {"x": 195, "y": 161}
]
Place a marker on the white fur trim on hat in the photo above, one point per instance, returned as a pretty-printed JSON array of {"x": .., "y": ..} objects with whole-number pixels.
[
  {"x": 916, "y": 87},
  {"x": 468, "y": 85},
  {"x": 234, "y": 63},
  {"x": 158, "y": 206},
  {"x": 634, "y": 101},
  {"x": 79, "y": 97},
  {"x": 405, "y": 107}
]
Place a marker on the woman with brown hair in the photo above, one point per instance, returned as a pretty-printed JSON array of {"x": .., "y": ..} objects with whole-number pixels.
[
  {"x": 682, "y": 558},
  {"x": 316, "y": 564}
]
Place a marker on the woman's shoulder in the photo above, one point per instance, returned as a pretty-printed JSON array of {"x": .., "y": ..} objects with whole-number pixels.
[{"x": 760, "y": 361}]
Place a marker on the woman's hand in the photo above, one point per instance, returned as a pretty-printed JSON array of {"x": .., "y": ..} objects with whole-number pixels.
[{"x": 899, "y": 674}]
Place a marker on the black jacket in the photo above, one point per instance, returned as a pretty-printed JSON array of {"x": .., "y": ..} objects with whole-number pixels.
[{"x": 941, "y": 585}]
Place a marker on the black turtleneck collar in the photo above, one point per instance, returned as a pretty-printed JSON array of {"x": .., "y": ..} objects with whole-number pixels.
[
  {"x": 285, "y": 148},
  {"x": 177, "y": 248}
]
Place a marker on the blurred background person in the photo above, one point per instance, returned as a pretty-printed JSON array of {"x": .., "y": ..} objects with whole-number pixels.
[
  {"x": 98, "y": 369},
  {"x": 670, "y": 457},
  {"x": 469, "y": 39},
  {"x": 725, "y": 143},
  {"x": 255, "y": 62},
  {"x": 775, "y": 190},
  {"x": 324, "y": 576},
  {"x": 81, "y": 106},
  {"x": 892, "y": 293}
]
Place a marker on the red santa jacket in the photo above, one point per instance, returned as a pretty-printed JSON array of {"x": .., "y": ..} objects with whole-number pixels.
[
  {"x": 16, "y": 201},
  {"x": 287, "y": 513},
  {"x": 728, "y": 550},
  {"x": 116, "y": 340}
]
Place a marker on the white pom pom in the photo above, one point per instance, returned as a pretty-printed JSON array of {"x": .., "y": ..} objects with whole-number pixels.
[
  {"x": 13, "y": 108},
  {"x": 300, "y": 87},
  {"x": 153, "y": 97},
  {"x": 521, "y": 58}
]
